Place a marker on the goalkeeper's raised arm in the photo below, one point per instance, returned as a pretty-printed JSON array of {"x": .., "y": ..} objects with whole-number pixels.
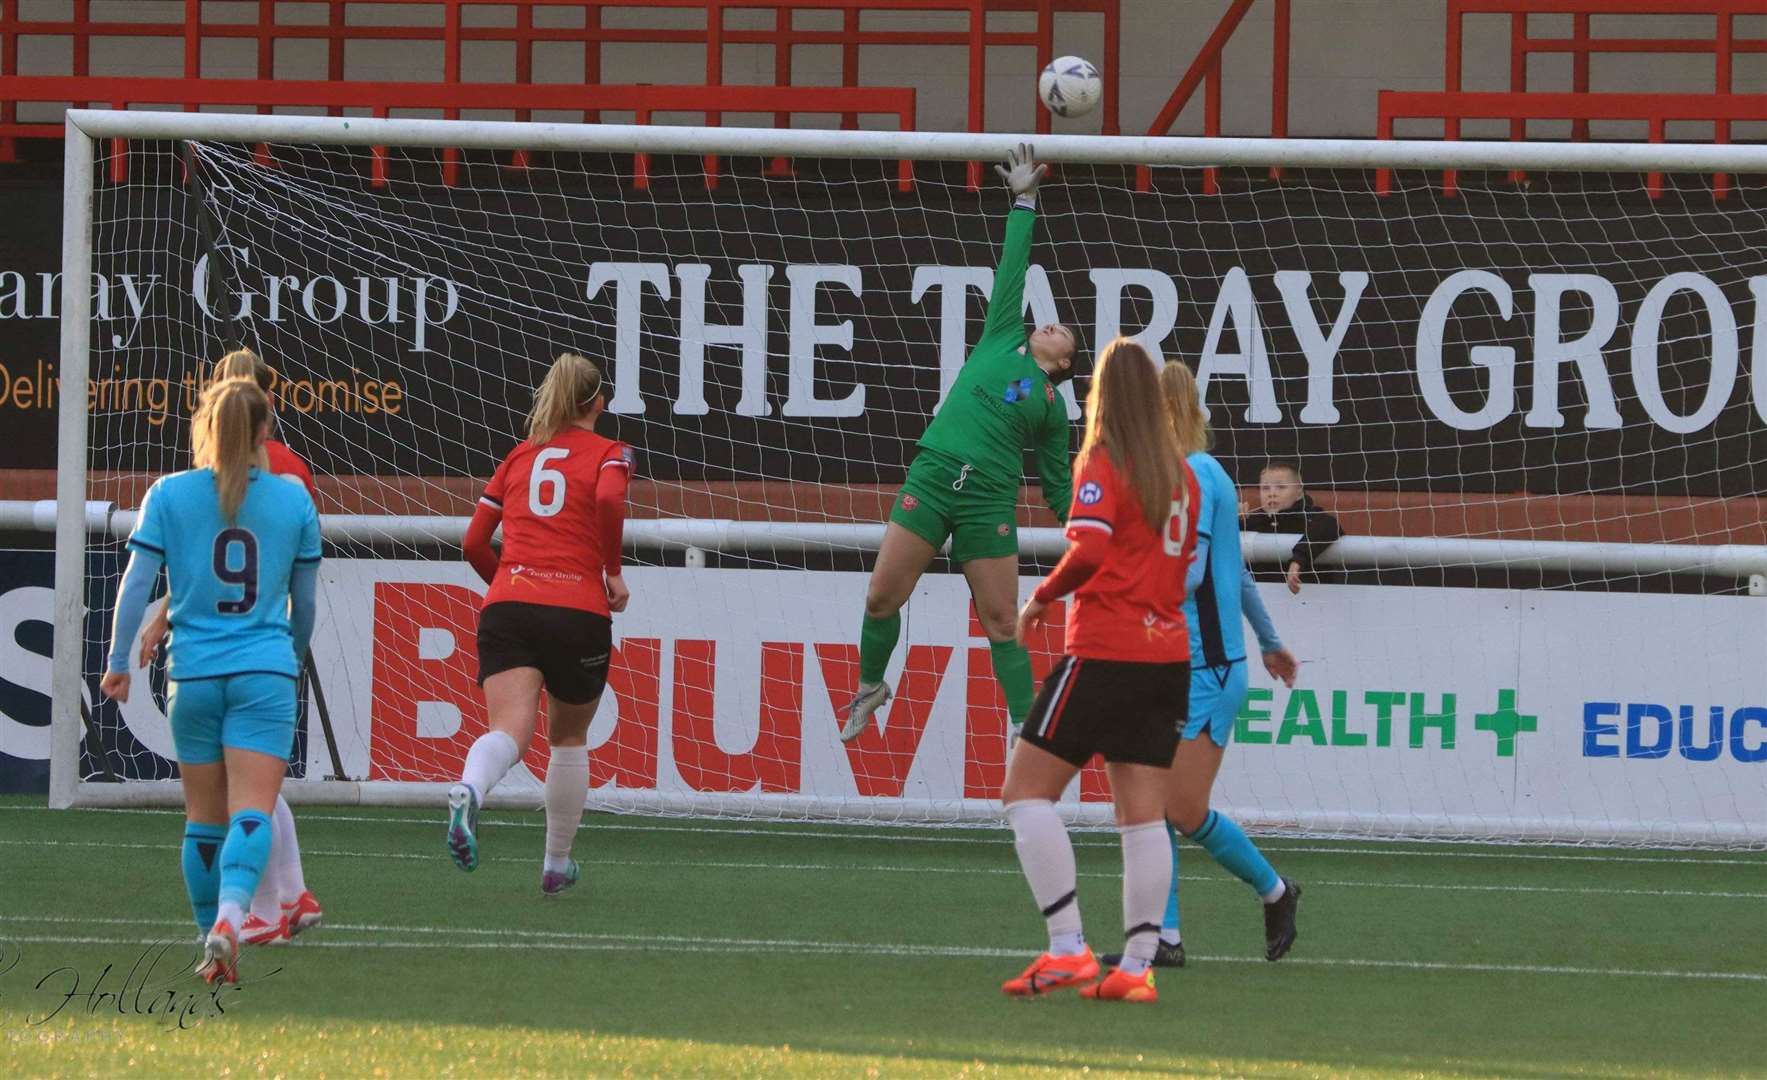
[{"x": 964, "y": 482}]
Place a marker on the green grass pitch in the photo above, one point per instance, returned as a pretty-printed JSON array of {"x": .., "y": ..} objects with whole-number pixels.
[{"x": 737, "y": 948}]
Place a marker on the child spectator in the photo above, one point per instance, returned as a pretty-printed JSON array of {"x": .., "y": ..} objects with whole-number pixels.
[{"x": 1284, "y": 507}]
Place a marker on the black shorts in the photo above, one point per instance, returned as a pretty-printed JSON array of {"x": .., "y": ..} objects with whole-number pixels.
[
  {"x": 570, "y": 647},
  {"x": 1129, "y": 712}
]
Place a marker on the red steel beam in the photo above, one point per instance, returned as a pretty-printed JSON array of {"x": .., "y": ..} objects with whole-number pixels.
[
  {"x": 1045, "y": 53},
  {"x": 1723, "y": 83},
  {"x": 1584, "y": 46},
  {"x": 1212, "y": 119},
  {"x": 1205, "y": 58},
  {"x": 870, "y": 100},
  {"x": 1113, "y": 50},
  {"x": 1199, "y": 67},
  {"x": 1451, "y": 82},
  {"x": 1279, "y": 71},
  {"x": 1606, "y": 7},
  {"x": 8, "y": 66},
  {"x": 1580, "y": 70},
  {"x": 1279, "y": 50},
  {"x": 1518, "y": 79},
  {"x": 978, "y": 67},
  {"x": 850, "y": 61},
  {"x": 592, "y": 58},
  {"x": 1468, "y": 105}
]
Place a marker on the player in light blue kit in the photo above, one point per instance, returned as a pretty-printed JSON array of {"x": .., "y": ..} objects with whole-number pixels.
[
  {"x": 1218, "y": 590},
  {"x": 241, "y": 552}
]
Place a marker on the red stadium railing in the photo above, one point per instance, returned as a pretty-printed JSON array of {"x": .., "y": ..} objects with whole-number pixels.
[
  {"x": 1721, "y": 107},
  {"x": 1657, "y": 109},
  {"x": 1205, "y": 70},
  {"x": 347, "y": 22},
  {"x": 382, "y": 97}
]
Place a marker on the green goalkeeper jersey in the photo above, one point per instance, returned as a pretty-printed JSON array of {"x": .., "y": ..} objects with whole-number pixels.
[{"x": 1002, "y": 400}]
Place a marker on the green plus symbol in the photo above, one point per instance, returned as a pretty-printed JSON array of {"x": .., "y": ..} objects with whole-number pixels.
[{"x": 1505, "y": 723}]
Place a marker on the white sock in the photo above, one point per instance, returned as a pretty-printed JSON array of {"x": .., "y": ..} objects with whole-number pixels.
[
  {"x": 229, "y": 912},
  {"x": 1277, "y": 893},
  {"x": 492, "y": 755},
  {"x": 266, "y": 904},
  {"x": 567, "y": 787},
  {"x": 1147, "y": 874},
  {"x": 285, "y": 855},
  {"x": 1170, "y": 937},
  {"x": 1047, "y": 857}
]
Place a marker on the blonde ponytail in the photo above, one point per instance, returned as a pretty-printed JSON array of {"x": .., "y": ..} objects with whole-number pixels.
[
  {"x": 569, "y": 391},
  {"x": 1184, "y": 407},
  {"x": 224, "y": 437},
  {"x": 245, "y": 364}
]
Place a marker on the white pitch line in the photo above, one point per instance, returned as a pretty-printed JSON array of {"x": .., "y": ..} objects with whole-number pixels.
[
  {"x": 997, "y": 837},
  {"x": 685, "y": 943},
  {"x": 993, "y": 836},
  {"x": 849, "y": 868}
]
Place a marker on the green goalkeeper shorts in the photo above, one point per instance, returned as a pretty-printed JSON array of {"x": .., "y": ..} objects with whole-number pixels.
[{"x": 934, "y": 504}]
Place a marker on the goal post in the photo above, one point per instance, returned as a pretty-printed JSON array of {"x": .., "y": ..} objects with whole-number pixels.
[
  {"x": 776, "y": 343},
  {"x": 68, "y": 676}
]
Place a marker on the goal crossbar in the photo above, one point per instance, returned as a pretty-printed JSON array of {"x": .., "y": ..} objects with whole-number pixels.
[{"x": 922, "y": 145}]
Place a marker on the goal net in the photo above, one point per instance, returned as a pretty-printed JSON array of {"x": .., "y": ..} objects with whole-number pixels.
[{"x": 1514, "y": 388}]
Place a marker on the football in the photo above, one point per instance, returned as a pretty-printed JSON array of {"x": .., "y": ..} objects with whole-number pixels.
[{"x": 1070, "y": 86}]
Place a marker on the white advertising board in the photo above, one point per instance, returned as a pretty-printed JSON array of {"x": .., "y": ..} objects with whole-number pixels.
[{"x": 1490, "y": 713}]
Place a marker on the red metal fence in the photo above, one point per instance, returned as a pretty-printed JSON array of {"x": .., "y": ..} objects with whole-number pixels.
[
  {"x": 1721, "y": 107},
  {"x": 597, "y": 24},
  {"x": 348, "y": 21},
  {"x": 380, "y": 98},
  {"x": 1205, "y": 69}
]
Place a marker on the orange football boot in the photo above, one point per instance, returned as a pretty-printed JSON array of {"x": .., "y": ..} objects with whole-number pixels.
[
  {"x": 1117, "y": 986},
  {"x": 1049, "y": 972}
]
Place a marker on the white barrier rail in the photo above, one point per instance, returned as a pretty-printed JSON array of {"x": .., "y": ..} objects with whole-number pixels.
[{"x": 724, "y": 535}]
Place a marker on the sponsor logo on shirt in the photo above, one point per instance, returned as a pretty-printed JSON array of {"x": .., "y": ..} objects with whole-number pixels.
[
  {"x": 537, "y": 577},
  {"x": 1090, "y": 492},
  {"x": 1157, "y": 628},
  {"x": 1018, "y": 391}
]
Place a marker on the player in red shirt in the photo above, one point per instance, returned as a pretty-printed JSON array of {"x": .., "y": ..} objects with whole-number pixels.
[
  {"x": 1122, "y": 688},
  {"x": 283, "y": 906},
  {"x": 547, "y": 620}
]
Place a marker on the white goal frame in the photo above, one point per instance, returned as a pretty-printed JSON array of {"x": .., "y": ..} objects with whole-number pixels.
[{"x": 75, "y": 518}]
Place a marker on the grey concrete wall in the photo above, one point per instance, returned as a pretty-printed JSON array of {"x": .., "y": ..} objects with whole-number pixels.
[{"x": 1344, "y": 52}]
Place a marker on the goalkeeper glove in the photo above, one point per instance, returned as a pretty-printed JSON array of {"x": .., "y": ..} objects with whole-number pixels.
[{"x": 1022, "y": 175}]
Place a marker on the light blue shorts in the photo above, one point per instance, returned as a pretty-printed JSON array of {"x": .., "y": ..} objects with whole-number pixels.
[
  {"x": 255, "y": 711},
  {"x": 1216, "y": 693}
]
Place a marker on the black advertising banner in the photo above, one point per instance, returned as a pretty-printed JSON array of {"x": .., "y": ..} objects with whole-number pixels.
[{"x": 1568, "y": 335}]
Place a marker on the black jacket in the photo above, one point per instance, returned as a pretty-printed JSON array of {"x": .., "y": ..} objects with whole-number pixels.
[{"x": 1318, "y": 529}]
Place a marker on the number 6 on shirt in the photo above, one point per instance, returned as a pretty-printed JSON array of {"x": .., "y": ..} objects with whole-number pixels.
[{"x": 544, "y": 477}]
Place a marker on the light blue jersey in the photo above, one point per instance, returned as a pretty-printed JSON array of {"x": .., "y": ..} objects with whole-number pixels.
[
  {"x": 229, "y": 583},
  {"x": 1211, "y": 605},
  {"x": 1219, "y": 590}
]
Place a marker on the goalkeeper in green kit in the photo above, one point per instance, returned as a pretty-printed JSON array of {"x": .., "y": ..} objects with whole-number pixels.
[{"x": 964, "y": 482}]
